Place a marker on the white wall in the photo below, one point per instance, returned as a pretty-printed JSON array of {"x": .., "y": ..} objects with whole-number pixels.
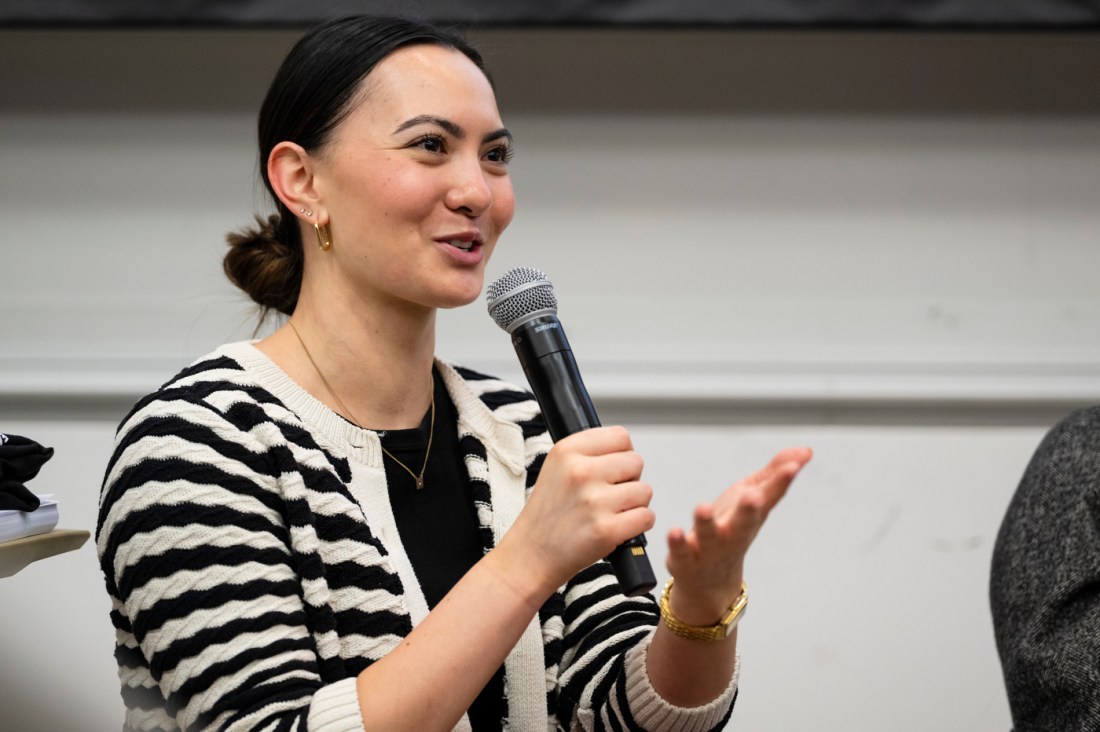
[{"x": 882, "y": 245}]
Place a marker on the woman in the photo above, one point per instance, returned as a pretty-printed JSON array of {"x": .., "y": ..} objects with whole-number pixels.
[{"x": 330, "y": 529}]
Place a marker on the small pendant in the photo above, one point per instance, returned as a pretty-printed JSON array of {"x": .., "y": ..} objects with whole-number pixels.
[{"x": 420, "y": 483}]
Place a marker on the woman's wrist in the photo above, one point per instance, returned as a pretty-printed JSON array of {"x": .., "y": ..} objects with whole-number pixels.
[
  {"x": 702, "y": 606},
  {"x": 516, "y": 570},
  {"x": 718, "y": 630}
]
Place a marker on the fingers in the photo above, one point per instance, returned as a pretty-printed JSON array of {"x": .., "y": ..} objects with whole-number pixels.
[
  {"x": 747, "y": 507},
  {"x": 620, "y": 513},
  {"x": 778, "y": 477},
  {"x": 679, "y": 552},
  {"x": 626, "y": 496},
  {"x": 629, "y": 524},
  {"x": 603, "y": 454},
  {"x": 741, "y": 510},
  {"x": 787, "y": 461},
  {"x": 705, "y": 528},
  {"x": 621, "y": 467},
  {"x": 764, "y": 488},
  {"x": 597, "y": 441}
]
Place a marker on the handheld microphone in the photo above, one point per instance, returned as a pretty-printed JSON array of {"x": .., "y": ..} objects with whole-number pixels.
[{"x": 522, "y": 302}]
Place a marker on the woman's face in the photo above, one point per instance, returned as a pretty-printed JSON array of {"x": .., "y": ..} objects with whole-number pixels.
[{"x": 415, "y": 181}]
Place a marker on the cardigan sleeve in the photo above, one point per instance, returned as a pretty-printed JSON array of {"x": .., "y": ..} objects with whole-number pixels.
[
  {"x": 651, "y": 711},
  {"x": 599, "y": 660},
  {"x": 207, "y": 601},
  {"x": 1045, "y": 582},
  {"x": 603, "y": 681}
]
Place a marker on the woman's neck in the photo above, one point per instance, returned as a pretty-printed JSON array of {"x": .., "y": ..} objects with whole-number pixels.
[{"x": 371, "y": 365}]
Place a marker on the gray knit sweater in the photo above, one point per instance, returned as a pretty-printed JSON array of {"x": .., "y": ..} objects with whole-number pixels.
[
  {"x": 1045, "y": 583},
  {"x": 255, "y": 567}
]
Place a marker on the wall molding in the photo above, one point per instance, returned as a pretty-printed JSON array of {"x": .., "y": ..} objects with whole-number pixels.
[{"x": 683, "y": 393}]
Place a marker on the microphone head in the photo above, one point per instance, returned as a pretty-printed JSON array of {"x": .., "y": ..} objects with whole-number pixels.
[{"x": 518, "y": 295}]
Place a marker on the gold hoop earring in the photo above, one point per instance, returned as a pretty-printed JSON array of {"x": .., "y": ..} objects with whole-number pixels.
[{"x": 324, "y": 240}]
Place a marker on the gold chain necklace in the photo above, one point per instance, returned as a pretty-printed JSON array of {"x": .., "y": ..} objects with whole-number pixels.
[{"x": 431, "y": 430}]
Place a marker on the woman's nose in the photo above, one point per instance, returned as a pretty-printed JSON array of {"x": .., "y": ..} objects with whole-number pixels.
[{"x": 470, "y": 192}]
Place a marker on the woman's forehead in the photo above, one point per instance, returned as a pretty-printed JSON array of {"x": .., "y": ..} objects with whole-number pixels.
[{"x": 427, "y": 79}]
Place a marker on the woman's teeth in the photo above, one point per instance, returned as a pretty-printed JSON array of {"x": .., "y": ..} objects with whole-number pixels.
[{"x": 463, "y": 245}]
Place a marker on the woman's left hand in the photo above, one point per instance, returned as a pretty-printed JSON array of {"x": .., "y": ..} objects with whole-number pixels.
[{"x": 708, "y": 561}]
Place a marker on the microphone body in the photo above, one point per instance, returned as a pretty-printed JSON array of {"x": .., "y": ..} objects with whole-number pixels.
[
  {"x": 547, "y": 360},
  {"x": 552, "y": 372}
]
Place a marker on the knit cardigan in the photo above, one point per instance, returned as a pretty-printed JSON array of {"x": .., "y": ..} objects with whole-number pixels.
[
  {"x": 255, "y": 568},
  {"x": 1045, "y": 583}
]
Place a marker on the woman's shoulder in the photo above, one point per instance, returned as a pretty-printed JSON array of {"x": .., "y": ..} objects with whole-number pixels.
[
  {"x": 1081, "y": 423},
  {"x": 210, "y": 385},
  {"x": 1060, "y": 482},
  {"x": 1073, "y": 439},
  {"x": 222, "y": 367}
]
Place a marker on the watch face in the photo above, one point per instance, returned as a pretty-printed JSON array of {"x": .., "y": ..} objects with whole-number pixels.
[{"x": 736, "y": 612}]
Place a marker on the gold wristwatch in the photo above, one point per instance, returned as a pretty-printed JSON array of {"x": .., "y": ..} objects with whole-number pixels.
[{"x": 718, "y": 631}]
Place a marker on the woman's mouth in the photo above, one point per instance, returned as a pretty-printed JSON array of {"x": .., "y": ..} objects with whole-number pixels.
[{"x": 463, "y": 245}]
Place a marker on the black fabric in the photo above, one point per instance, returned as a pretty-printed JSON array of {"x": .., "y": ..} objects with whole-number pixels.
[
  {"x": 20, "y": 460},
  {"x": 438, "y": 525},
  {"x": 1045, "y": 583}
]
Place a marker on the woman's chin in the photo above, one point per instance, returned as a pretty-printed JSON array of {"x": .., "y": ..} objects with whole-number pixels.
[
  {"x": 462, "y": 293},
  {"x": 458, "y": 301}
]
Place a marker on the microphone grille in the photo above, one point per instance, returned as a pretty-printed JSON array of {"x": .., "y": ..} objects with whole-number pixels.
[{"x": 518, "y": 293}]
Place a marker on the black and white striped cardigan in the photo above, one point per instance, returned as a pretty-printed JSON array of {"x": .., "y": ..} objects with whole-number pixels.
[{"x": 255, "y": 568}]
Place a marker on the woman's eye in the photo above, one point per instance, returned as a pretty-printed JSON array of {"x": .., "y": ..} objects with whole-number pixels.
[
  {"x": 499, "y": 154},
  {"x": 431, "y": 143}
]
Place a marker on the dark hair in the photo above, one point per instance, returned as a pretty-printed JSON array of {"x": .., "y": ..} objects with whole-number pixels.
[{"x": 313, "y": 92}]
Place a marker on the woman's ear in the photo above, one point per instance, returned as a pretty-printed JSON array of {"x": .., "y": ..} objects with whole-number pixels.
[{"x": 290, "y": 170}]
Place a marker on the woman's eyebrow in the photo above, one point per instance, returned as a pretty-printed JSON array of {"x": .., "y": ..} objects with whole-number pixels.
[
  {"x": 422, "y": 119},
  {"x": 497, "y": 134},
  {"x": 450, "y": 127}
]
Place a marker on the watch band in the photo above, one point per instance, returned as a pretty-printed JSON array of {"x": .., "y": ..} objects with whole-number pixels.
[{"x": 718, "y": 631}]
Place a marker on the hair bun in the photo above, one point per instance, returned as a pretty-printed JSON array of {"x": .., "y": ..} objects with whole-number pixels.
[{"x": 264, "y": 266}]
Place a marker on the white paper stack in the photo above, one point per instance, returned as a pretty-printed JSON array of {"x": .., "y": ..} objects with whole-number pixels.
[{"x": 17, "y": 524}]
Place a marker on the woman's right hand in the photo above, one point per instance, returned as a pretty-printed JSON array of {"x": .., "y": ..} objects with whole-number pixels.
[{"x": 588, "y": 499}]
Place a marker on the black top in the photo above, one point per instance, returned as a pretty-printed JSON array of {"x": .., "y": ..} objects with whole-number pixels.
[{"x": 438, "y": 525}]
